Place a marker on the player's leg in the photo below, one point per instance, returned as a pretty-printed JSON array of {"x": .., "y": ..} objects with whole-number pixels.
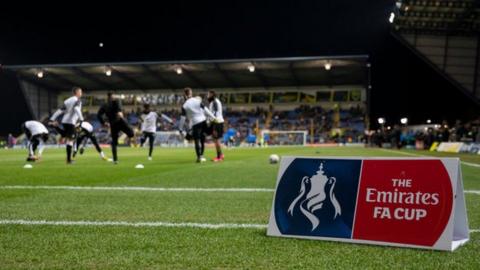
[
  {"x": 196, "y": 134},
  {"x": 126, "y": 128},
  {"x": 70, "y": 139},
  {"x": 151, "y": 140},
  {"x": 217, "y": 133},
  {"x": 94, "y": 141},
  {"x": 203, "y": 131},
  {"x": 78, "y": 144},
  {"x": 143, "y": 139},
  {"x": 114, "y": 133},
  {"x": 32, "y": 147}
]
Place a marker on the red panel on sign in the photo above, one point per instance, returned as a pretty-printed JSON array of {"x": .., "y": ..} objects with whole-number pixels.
[{"x": 403, "y": 201}]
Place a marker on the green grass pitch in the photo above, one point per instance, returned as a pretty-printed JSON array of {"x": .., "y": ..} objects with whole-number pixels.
[{"x": 117, "y": 247}]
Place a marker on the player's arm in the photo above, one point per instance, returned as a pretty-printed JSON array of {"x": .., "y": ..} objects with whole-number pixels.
[
  {"x": 208, "y": 112},
  {"x": 183, "y": 117},
  {"x": 118, "y": 109},
  {"x": 101, "y": 112},
  {"x": 165, "y": 117},
  {"x": 57, "y": 113},
  {"x": 78, "y": 111}
]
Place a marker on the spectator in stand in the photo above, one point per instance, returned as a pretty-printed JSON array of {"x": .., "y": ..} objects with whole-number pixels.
[{"x": 11, "y": 141}]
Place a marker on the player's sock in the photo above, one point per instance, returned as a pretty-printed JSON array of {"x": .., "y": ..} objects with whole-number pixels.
[
  {"x": 198, "y": 148},
  {"x": 69, "y": 153},
  {"x": 151, "y": 149},
  {"x": 202, "y": 146},
  {"x": 102, "y": 154},
  {"x": 114, "y": 152}
]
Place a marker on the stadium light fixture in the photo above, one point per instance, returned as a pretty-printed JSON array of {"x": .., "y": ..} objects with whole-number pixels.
[
  {"x": 251, "y": 68},
  {"x": 100, "y": 44},
  {"x": 429, "y": 121},
  {"x": 179, "y": 70},
  {"x": 328, "y": 65},
  {"x": 40, "y": 74},
  {"x": 381, "y": 120},
  {"x": 392, "y": 17},
  {"x": 404, "y": 121},
  {"x": 108, "y": 71}
]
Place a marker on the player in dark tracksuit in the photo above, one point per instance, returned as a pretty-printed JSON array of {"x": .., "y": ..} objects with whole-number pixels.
[{"x": 115, "y": 120}]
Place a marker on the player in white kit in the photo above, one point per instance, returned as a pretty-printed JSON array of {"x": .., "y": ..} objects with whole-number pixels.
[
  {"x": 149, "y": 120},
  {"x": 36, "y": 133},
  {"x": 216, "y": 126},
  {"x": 72, "y": 114},
  {"x": 85, "y": 132},
  {"x": 195, "y": 111}
]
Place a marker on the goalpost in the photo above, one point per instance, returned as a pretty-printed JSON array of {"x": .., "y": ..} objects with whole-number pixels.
[
  {"x": 283, "y": 137},
  {"x": 169, "y": 138}
]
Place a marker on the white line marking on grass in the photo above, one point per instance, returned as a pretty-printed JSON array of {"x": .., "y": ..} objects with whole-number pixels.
[
  {"x": 418, "y": 155},
  {"x": 158, "y": 189},
  {"x": 140, "y": 224},
  {"x": 126, "y": 188},
  {"x": 133, "y": 224}
]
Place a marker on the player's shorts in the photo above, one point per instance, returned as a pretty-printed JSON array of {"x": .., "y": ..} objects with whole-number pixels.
[
  {"x": 68, "y": 131},
  {"x": 217, "y": 130},
  {"x": 199, "y": 130},
  {"x": 123, "y": 126},
  {"x": 149, "y": 135}
]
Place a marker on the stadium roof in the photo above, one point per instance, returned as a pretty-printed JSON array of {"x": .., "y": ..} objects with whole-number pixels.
[{"x": 235, "y": 73}]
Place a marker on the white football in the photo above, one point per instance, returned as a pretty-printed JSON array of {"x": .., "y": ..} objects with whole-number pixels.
[
  {"x": 139, "y": 166},
  {"x": 27, "y": 166},
  {"x": 274, "y": 159}
]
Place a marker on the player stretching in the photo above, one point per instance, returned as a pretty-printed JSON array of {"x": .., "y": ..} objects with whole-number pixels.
[
  {"x": 195, "y": 111},
  {"x": 117, "y": 123},
  {"x": 35, "y": 132},
  {"x": 149, "y": 127},
  {"x": 86, "y": 132},
  {"x": 216, "y": 126},
  {"x": 72, "y": 113}
]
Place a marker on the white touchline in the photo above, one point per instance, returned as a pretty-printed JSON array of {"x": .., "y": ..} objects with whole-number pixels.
[
  {"x": 133, "y": 224},
  {"x": 418, "y": 155},
  {"x": 141, "y": 224},
  {"x": 133, "y": 188},
  {"x": 158, "y": 189}
]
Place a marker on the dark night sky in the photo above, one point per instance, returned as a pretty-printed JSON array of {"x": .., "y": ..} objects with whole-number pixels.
[{"x": 402, "y": 84}]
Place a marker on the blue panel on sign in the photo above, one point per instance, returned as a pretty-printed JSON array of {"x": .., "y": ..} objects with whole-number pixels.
[{"x": 316, "y": 197}]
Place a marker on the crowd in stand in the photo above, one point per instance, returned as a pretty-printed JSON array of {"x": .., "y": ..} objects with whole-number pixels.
[
  {"x": 322, "y": 125},
  {"x": 326, "y": 125},
  {"x": 425, "y": 136}
]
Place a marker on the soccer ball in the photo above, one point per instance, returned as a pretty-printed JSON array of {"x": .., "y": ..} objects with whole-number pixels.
[{"x": 274, "y": 159}]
